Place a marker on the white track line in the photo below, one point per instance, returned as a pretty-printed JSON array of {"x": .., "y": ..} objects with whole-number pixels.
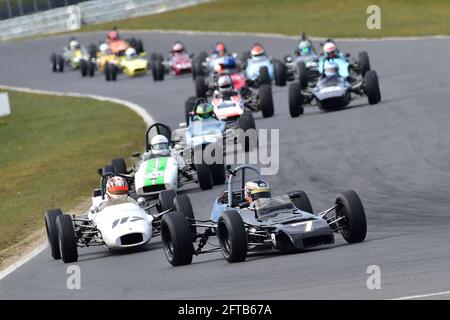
[
  {"x": 421, "y": 296},
  {"x": 136, "y": 108}
]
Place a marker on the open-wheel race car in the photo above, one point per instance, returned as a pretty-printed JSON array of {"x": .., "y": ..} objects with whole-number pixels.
[
  {"x": 285, "y": 223},
  {"x": 76, "y": 57},
  {"x": 178, "y": 63},
  {"x": 116, "y": 222}
]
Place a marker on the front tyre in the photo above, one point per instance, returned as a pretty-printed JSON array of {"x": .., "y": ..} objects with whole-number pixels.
[
  {"x": 266, "y": 100},
  {"x": 177, "y": 239},
  {"x": 350, "y": 208},
  {"x": 183, "y": 204},
  {"x": 204, "y": 175},
  {"x": 302, "y": 202},
  {"x": 232, "y": 236},
  {"x": 52, "y": 231},
  {"x": 165, "y": 200},
  {"x": 372, "y": 88},
  {"x": 67, "y": 240},
  {"x": 295, "y": 100}
]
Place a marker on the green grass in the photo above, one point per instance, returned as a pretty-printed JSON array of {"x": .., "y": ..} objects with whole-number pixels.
[
  {"x": 51, "y": 148},
  {"x": 326, "y": 18}
]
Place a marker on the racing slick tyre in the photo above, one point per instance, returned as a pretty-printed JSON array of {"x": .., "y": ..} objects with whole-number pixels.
[
  {"x": 197, "y": 68},
  {"x": 250, "y": 138},
  {"x": 264, "y": 76},
  {"x": 157, "y": 70},
  {"x": 188, "y": 108},
  {"x": 52, "y": 231},
  {"x": 84, "y": 68},
  {"x": 302, "y": 75},
  {"x": 139, "y": 46},
  {"x": 364, "y": 63},
  {"x": 107, "y": 71},
  {"x": 232, "y": 236},
  {"x": 60, "y": 60},
  {"x": 349, "y": 207},
  {"x": 91, "y": 69},
  {"x": 372, "y": 88},
  {"x": 66, "y": 236},
  {"x": 204, "y": 176},
  {"x": 183, "y": 204},
  {"x": 280, "y": 73},
  {"x": 166, "y": 200},
  {"x": 302, "y": 202},
  {"x": 54, "y": 61},
  {"x": 119, "y": 165},
  {"x": 266, "y": 100},
  {"x": 218, "y": 173},
  {"x": 176, "y": 237},
  {"x": 200, "y": 87},
  {"x": 295, "y": 100}
]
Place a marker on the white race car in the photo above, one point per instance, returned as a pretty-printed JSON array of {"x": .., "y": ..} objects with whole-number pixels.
[{"x": 116, "y": 224}]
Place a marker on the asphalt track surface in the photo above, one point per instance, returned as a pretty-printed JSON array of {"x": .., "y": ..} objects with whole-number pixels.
[{"x": 395, "y": 155}]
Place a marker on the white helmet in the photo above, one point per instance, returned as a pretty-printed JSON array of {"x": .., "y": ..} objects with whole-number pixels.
[
  {"x": 116, "y": 188},
  {"x": 225, "y": 83},
  {"x": 130, "y": 52},
  {"x": 330, "y": 49},
  {"x": 160, "y": 145},
  {"x": 74, "y": 44},
  {"x": 104, "y": 48},
  {"x": 330, "y": 68}
]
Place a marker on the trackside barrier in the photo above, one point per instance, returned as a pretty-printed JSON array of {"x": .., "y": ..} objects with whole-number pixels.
[{"x": 90, "y": 12}]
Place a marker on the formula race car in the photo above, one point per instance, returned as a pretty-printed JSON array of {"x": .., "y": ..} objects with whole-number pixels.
[
  {"x": 153, "y": 173},
  {"x": 114, "y": 223},
  {"x": 76, "y": 57},
  {"x": 333, "y": 92},
  {"x": 261, "y": 69},
  {"x": 216, "y": 130},
  {"x": 178, "y": 63},
  {"x": 285, "y": 223}
]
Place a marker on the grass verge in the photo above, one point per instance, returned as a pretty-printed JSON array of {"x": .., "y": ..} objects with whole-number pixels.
[
  {"x": 325, "y": 18},
  {"x": 51, "y": 148}
]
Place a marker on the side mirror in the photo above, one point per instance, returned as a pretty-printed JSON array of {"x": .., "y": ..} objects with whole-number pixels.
[
  {"x": 295, "y": 195},
  {"x": 140, "y": 201},
  {"x": 244, "y": 205},
  {"x": 100, "y": 171},
  {"x": 183, "y": 125},
  {"x": 136, "y": 154}
]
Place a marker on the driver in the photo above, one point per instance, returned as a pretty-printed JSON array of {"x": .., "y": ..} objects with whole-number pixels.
[
  {"x": 304, "y": 48},
  {"x": 220, "y": 50},
  {"x": 205, "y": 111},
  {"x": 330, "y": 49},
  {"x": 116, "y": 189},
  {"x": 159, "y": 147},
  {"x": 256, "y": 191},
  {"x": 178, "y": 48},
  {"x": 104, "y": 49},
  {"x": 225, "y": 87},
  {"x": 113, "y": 35},
  {"x": 257, "y": 51},
  {"x": 74, "y": 45},
  {"x": 130, "y": 53}
]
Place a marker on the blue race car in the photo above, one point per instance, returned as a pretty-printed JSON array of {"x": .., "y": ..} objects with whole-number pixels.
[{"x": 285, "y": 223}]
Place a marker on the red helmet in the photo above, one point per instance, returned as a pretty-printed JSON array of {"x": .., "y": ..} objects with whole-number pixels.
[
  {"x": 257, "y": 50},
  {"x": 116, "y": 188},
  {"x": 112, "y": 36},
  {"x": 220, "y": 49}
]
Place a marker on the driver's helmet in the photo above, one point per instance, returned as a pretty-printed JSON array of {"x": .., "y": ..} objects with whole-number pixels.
[
  {"x": 330, "y": 49},
  {"x": 178, "y": 47},
  {"x": 113, "y": 35},
  {"x": 304, "y": 47},
  {"x": 257, "y": 51},
  {"x": 74, "y": 45},
  {"x": 220, "y": 50},
  {"x": 256, "y": 189},
  {"x": 225, "y": 83},
  {"x": 130, "y": 52},
  {"x": 116, "y": 188},
  {"x": 159, "y": 145},
  {"x": 104, "y": 49},
  {"x": 204, "y": 111},
  {"x": 330, "y": 68}
]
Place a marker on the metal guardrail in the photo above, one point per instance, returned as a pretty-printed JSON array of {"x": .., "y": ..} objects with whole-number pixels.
[{"x": 88, "y": 12}]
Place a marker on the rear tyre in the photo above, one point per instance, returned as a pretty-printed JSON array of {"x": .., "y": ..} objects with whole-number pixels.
[
  {"x": 52, "y": 231},
  {"x": 119, "y": 166},
  {"x": 295, "y": 100},
  {"x": 54, "y": 61},
  {"x": 204, "y": 175},
  {"x": 91, "y": 69},
  {"x": 157, "y": 70},
  {"x": 188, "y": 108},
  {"x": 176, "y": 237},
  {"x": 264, "y": 76},
  {"x": 114, "y": 70},
  {"x": 66, "y": 236},
  {"x": 107, "y": 71},
  {"x": 302, "y": 202},
  {"x": 232, "y": 236},
  {"x": 200, "y": 87},
  {"x": 351, "y": 209},
  {"x": 302, "y": 75},
  {"x": 84, "y": 68},
  {"x": 183, "y": 204},
  {"x": 364, "y": 62},
  {"x": 218, "y": 173},
  {"x": 266, "y": 100},
  {"x": 280, "y": 73},
  {"x": 165, "y": 200},
  {"x": 60, "y": 60},
  {"x": 197, "y": 68},
  {"x": 372, "y": 88},
  {"x": 250, "y": 139}
]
